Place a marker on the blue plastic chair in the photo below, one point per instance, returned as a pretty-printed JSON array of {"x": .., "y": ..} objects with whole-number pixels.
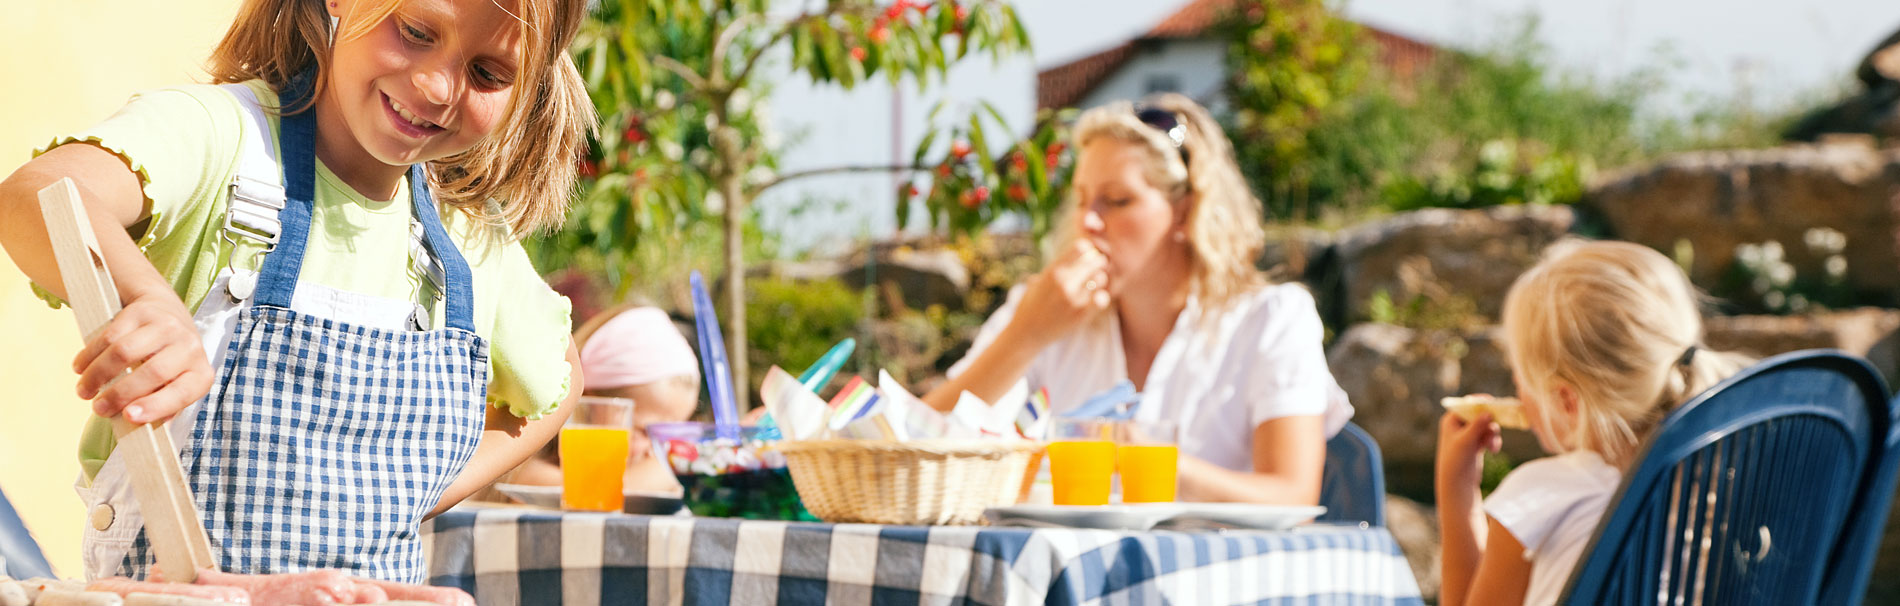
[
  {"x": 1853, "y": 564},
  {"x": 1353, "y": 486},
  {"x": 19, "y": 552},
  {"x": 1733, "y": 499}
]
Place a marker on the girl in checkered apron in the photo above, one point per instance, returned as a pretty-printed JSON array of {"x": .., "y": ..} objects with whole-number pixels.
[
  {"x": 311, "y": 258},
  {"x": 1603, "y": 343}
]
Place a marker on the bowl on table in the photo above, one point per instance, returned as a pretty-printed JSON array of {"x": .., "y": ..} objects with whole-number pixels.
[{"x": 743, "y": 478}]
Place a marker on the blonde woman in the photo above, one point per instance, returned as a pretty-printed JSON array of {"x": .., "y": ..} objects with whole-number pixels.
[
  {"x": 1153, "y": 281},
  {"x": 1603, "y": 342}
]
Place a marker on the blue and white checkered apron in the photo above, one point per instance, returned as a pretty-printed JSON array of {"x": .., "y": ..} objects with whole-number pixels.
[{"x": 324, "y": 444}]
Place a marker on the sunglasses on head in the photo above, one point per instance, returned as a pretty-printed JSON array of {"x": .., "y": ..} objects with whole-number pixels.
[{"x": 1168, "y": 123}]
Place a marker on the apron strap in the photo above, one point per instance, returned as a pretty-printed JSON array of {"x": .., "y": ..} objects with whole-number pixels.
[
  {"x": 458, "y": 282},
  {"x": 277, "y": 279}
]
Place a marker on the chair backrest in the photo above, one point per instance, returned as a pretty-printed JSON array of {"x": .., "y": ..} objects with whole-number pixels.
[
  {"x": 1734, "y": 498},
  {"x": 1853, "y": 563},
  {"x": 1353, "y": 486},
  {"x": 20, "y": 555}
]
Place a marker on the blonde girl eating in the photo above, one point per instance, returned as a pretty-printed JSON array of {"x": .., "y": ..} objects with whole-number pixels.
[{"x": 1603, "y": 340}]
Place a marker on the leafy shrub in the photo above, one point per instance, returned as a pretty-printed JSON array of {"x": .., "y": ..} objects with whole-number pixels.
[{"x": 793, "y": 323}]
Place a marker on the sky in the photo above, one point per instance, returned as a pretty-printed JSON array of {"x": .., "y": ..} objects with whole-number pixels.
[{"x": 1767, "y": 54}]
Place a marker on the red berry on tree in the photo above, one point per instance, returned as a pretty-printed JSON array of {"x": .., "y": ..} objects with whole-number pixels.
[
  {"x": 880, "y": 35},
  {"x": 982, "y": 193},
  {"x": 910, "y": 190},
  {"x": 1018, "y": 193},
  {"x": 588, "y": 168},
  {"x": 963, "y": 12},
  {"x": 959, "y": 149},
  {"x": 857, "y": 54},
  {"x": 1018, "y": 162},
  {"x": 969, "y": 199},
  {"x": 943, "y": 170}
]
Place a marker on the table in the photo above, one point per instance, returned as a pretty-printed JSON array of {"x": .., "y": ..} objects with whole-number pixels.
[{"x": 508, "y": 556}]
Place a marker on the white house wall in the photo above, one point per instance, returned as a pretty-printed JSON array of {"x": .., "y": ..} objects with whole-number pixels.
[{"x": 1197, "y": 65}]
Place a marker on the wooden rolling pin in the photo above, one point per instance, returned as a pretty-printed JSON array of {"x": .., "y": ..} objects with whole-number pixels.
[{"x": 172, "y": 525}]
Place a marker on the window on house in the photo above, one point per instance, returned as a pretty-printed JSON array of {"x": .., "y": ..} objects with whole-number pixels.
[{"x": 1163, "y": 83}]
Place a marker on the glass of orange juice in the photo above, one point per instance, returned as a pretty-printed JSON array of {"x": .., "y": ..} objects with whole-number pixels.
[
  {"x": 1081, "y": 460},
  {"x": 593, "y": 449},
  {"x": 1148, "y": 454}
]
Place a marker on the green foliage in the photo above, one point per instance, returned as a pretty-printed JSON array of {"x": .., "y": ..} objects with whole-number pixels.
[
  {"x": 1293, "y": 66},
  {"x": 1498, "y": 125},
  {"x": 793, "y": 323},
  {"x": 666, "y": 75},
  {"x": 1499, "y": 176},
  {"x": 970, "y": 187},
  {"x": 651, "y": 169},
  {"x": 1435, "y": 311},
  {"x": 1765, "y": 279},
  {"x": 1496, "y": 466}
]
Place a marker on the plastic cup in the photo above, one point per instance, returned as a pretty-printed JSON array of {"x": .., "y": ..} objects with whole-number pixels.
[
  {"x": 594, "y": 444},
  {"x": 1081, "y": 460},
  {"x": 1148, "y": 455}
]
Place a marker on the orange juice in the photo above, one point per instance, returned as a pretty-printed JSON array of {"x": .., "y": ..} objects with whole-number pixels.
[
  {"x": 1080, "y": 471},
  {"x": 1148, "y": 472},
  {"x": 593, "y": 460}
]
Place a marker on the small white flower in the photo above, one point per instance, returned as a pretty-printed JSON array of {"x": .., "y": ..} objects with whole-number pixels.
[
  {"x": 715, "y": 202},
  {"x": 1836, "y": 267},
  {"x": 1781, "y": 274},
  {"x": 1797, "y": 303},
  {"x": 672, "y": 150},
  {"x": 1749, "y": 254},
  {"x": 1771, "y": 251},
  {"x": 663, "y": 100},
  {"x": 1774, "y": 300},
  {"x": 1824, "y": 240}
]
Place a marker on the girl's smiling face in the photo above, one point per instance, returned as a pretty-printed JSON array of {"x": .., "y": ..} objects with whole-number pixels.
[{"x": 428, "y": 81}]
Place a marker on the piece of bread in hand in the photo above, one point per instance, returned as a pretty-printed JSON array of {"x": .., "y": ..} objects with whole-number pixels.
[{"x": 1506, "y": 412}]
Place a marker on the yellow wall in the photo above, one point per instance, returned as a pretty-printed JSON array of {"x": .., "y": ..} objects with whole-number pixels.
[{"x": 68, "y": 64}]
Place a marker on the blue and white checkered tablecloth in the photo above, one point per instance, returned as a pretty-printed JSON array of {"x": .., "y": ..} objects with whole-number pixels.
[{"x": 510, "y": 556}]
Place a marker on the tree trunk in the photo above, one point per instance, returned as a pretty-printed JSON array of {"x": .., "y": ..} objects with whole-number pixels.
[{"x": 728, "y": 173}]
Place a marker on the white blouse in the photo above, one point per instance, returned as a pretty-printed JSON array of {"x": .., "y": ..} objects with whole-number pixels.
[
  {"x": 1552, "y": 506},
  {"x": 1259, "y": 360}
]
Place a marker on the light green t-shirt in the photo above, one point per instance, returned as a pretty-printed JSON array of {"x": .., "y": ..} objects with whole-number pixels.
[{"x": 184, "y": 144}]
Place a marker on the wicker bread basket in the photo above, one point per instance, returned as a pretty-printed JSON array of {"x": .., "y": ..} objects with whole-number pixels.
[{"x": 921, "y": 482}]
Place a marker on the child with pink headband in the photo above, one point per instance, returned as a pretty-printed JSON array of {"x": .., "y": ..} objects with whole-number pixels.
[{"x": 633, "y": 352}]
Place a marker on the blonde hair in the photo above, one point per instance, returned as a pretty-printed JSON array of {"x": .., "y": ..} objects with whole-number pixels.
[
  {"x": 1224, "y": 231},
  {"x": 1615, "y": 322},
  {"x": 521, "y": 176}
]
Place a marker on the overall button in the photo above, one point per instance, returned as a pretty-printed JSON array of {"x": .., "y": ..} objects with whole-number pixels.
[{"x": 102, "y": 517}]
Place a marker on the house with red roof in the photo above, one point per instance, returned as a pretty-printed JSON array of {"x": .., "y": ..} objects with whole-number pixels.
[{"x": 1182, "y": 54}]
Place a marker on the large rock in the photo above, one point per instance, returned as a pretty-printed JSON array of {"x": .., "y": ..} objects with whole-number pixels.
[
  {"x": 1395, "y": 377},
  {"x": 1415, "y": 526},
  {"x": 1717, "y": 201},
  {"x": 1874, "y": 110},
  {"x": 1873, "y": 333},
  {"x": 1451, "y": 258},
  {"x": 916, "y": 277}
]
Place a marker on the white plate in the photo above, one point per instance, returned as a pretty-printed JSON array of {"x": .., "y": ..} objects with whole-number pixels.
[
  {"x": 647, "y": 503},
  {"x": 1196, "y": 516},
  {"x": 1148, "y": 516},
  {"x": 1106, "y": 517}
]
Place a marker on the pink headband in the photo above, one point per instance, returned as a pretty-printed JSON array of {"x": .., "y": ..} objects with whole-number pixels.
[{"x": 637, "y": 347}]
